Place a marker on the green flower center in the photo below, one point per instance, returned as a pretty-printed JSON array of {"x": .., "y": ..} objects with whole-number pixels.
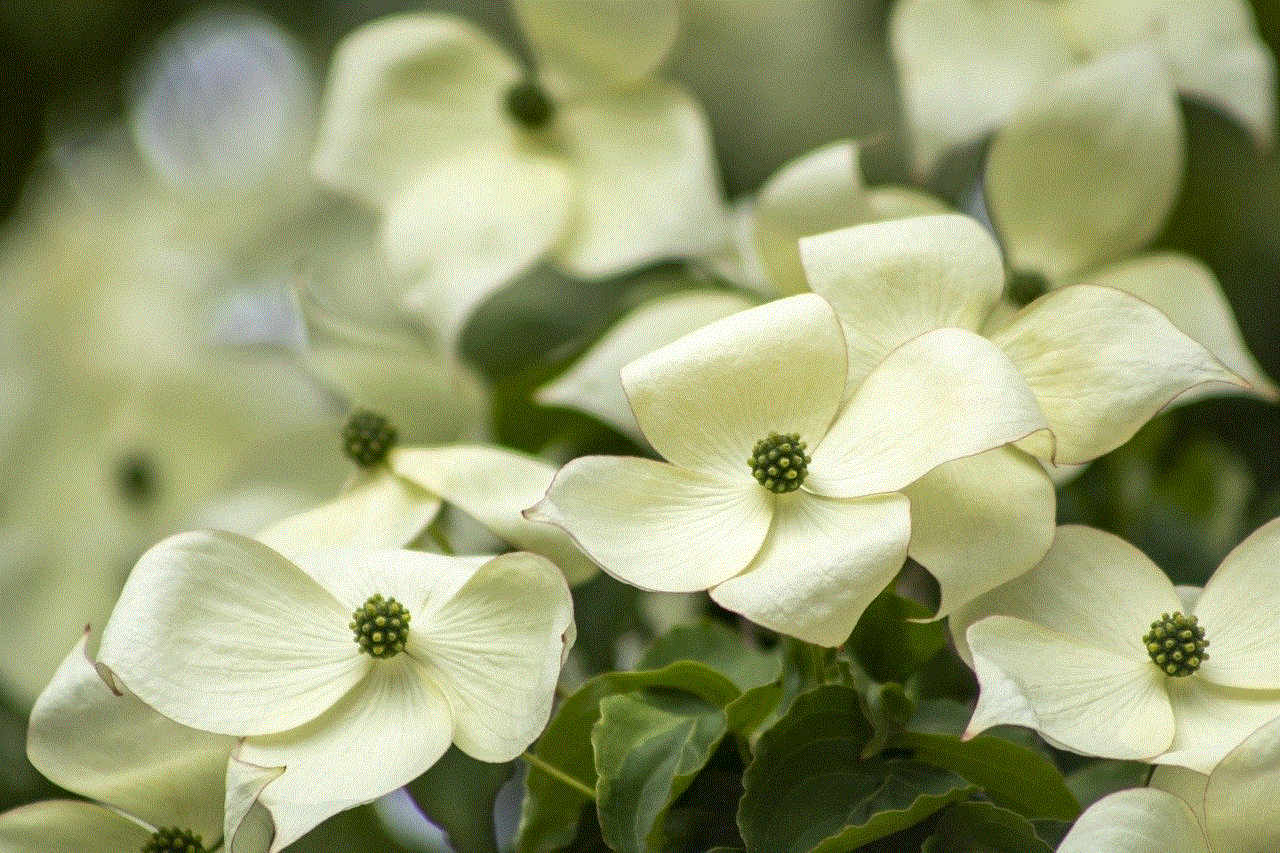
[
  {"x": 173, "y": 840},
  {"x": 1176, "y": 644},
  {"x": 1025, "y": 287},
  {"x": 367, "y": 438},
  {"x": 529, "y": 104},
  {"x": 779, "y": 462},
  {"x": 136, "y": 477},
  {"x": 381, "y": 626}
]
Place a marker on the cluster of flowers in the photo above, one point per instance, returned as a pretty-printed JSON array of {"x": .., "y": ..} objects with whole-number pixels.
[{"x": 865, "y": 377}]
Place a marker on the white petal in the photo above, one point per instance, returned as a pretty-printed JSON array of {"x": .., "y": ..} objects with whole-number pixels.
[
  {"x": 890, "y": 202},
  {"x": 495, "y": 649},
  {"x": 1240, "y": 797},
  {"x": 944, "y": 395},
  {"x": 380, "y": 510},
  {"x": 1102, "y": 363},
  {"x": 1089, "y": 167},
  {"x": 657, "y": 526},
  {"x": 472, "y": 224},
  {"x": 1089, "y": 699},
  {"x": 70, "y": 826},
  {"x": 1138, "y": 820},
  {"x": 646, "y": 180},
  {"x": 405, "y": 93},
  {"x": 599, "y": 44},
  {"x": 417, "y": 579},
  {"x": 1212, "y": 44},
  {"x": 221, "y": 633},
  {"x": 1240, "y": 612},
  {"x": 965, "y": 65},
  {"x": 112, "y": 748},
  {"x": 704, "y": 401},
  {"x": 892, "y": 281},
  {"x": 1092, "y": 586},
  {"x": 384, "y": 733},
  {"x": 593, "y": 384},
  {"x": 1185, "y": 784},
  {"x": 1187, "y": 292},
  {"x": 980, "y": 521},
  {"x": 1212, "y": 720},
  {"x": 824, "y": 561},
  {"x": 494, "y": 486}
]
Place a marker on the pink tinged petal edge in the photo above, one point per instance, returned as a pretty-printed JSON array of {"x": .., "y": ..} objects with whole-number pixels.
[{"x": 221, "y": 633}]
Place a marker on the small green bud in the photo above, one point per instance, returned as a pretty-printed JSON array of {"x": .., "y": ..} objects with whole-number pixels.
[
  {"x": 530, "y": 105},
  {"x": 779, "y": 462},
  {"x": 367, "y": 438},
  {"x": 1025, "y": 287},
  {"x": 380, "y": 626},
  {"x": 173, "y": 840},
  {"x": 1176, "y": 644}
]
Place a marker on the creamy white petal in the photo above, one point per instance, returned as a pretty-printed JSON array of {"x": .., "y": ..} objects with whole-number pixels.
[
  {"x": 657, "y": 526},
  {"x": 471, "y": 224},
  {"x": 980, "y": 521},
  {"x": 112, "y": 748},
  {"x": 1240, "y": 611},
  {"x": 966, "y": 64},
  {"x": 70, "y": 826},
  {"x": 403, "y": 94},
  {"x": 1087, "y": 698},
  {"x": 593, "y": 384},
  {"x": 1212, "y": 720},
  {"x": 417, "y": 579},
  {"x": 384, "y": 733},
  {"x": 704, "y": 401},
  {"x": 892, "y": 281},
  {"x": 495, "y": 649},
  {"x": 941, "y": 396},
  {"x": 1091, "y": 585},
  {"x": 221, "y": 633},
  {"x": 892, "y": 202},
  {"x": 494, "y": 486},
  {"x": 823, "y": 562},
  {"x": 1187, "y": 292},
  {"x": 378, "y": 510},
  {"x": 1102, "y": 363},
  {"x": 645, "y": 180},
  {"x": 585, "y": 46},
  {"x": 1240, "y": 798},
  {"x": 1137, "y": 820},
  {"x": 1184, "y": 783},
  {"x": 1088, "y": 168}
]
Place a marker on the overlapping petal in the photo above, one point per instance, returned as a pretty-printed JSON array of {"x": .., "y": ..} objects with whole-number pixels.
[
  {"x": 1137, "y": 820},
  {"x": 69, "y": 826},
  {"x": 1213, "y": 720},
  {"x": 192, "y": 605},
  {"x": 1239, "y": 801},
  {"x": 821, "y": 565}
]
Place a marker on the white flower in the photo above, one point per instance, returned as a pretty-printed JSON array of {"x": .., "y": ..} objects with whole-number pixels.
[
  {"x": 1232, "y": 810},
  {"x": 800, "y": 554},
  {"x": 480, "y": 168},
  {"x": 223, "y": 634},
  {"x": 147, "y": 773},
  {"x": 1067, "y": 649}
]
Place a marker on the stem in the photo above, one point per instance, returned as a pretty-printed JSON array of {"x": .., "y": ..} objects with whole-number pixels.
[{"x": 560, "y": 775}]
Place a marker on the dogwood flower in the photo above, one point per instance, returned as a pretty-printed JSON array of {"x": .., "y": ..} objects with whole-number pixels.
[
  {"x": 480, "y": 168},
  {"x": 347, "y": 673},
  {"x": 778, "y": 497},
  {"x": 965, "y": 66},
  {"x": 1100, "y": 653},
  {"x": 158, "y": 785},
  {"x": 1231, "y": 810}
]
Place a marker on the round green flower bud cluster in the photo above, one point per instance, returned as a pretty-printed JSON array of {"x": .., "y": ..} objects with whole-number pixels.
[
  {"x": 779, "y": 462},
  {"x": 1176, "y": 644},
  {"x": 530, "y": 105},
  {"x": 367, "y": 438},
  {"x": 381, "y": 626},
  {"x": 173, "y": 840}
]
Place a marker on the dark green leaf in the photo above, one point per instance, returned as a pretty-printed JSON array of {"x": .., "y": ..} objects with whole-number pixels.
[
  {"x": 977, "y": 827},
  {"x": 889, "y": 709},
  {"x": 720, "y": 648},
  {"x": 1099, "y": 778},
  {"x": 887, "y": 645},
  {"x": 457, "y": 794}
]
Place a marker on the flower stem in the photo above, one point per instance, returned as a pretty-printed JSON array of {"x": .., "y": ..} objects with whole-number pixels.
[{"x": 556, "y": 773}]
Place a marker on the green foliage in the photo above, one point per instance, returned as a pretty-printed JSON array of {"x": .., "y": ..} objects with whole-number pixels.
[
  {"x": 457, "y": 794},
  {"x": 888, "y": 645},
  {"x": 718, "y": 647},
  {"x": 977, "y": 827}
]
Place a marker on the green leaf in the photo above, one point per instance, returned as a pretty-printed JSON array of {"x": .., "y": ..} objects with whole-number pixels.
[
  {"x": 810, "y": 791},
  {"x": 457, "y": 794},
  {"x": 750, "y": 710},
  {"x": 887, "y": 645},
  {"x": 551, "y": 808},
  {"x": 646, "y": 755},
  {"x": 1099, "y": 778},
  {"x": 720, "y": 648},
  {"x": 1012, "y": 775},
  {"x": 357, "y": 830},
  {"x": 889, "y": 709},
  {"x": 978, "y": 827}
]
